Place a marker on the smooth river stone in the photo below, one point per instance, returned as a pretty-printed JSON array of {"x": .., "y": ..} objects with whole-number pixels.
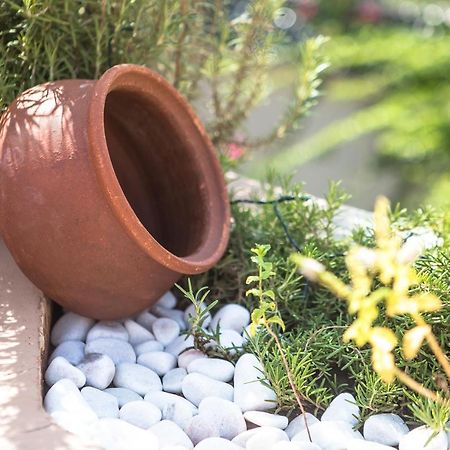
[
  {"x": 250, "y": 394},
  {"x": 107, "y": 329},
  {"x": 174, "y": 314},
  {"x": 230, "y": 339},
  {"x": 168, "y": 300},
  {"x": 98, "y": 369},
  {"x": 180, "y": 344},
  {"x": 266, "y": 438},
  {"x": 102, "y": 403},
  {"x": 141, "y": 414},
  {"x": 185, "y": 358},
  {"x": 147, "y": 347},
  {"x": 173, "y": 380},
  {"x": 60, "y": 368},
  {"x": 118, "y": 350},
  {"x": 165, "y": 330},
  {"x": 159, "y": 362},
  {"x": 201, "y": 428},
  {"x": 189, "y": 315},
  {"x": 65, "y": 396},
  {"x": 342, "y": 408},
  {"x": 169, "y": 433},
  {"x": 385, "y": 429},
  {"x": 217, "y": 444},
  {"x": 298, "y": 424},
  {"x": 137, "y": 334},
  {"x": 146, "y": 319},
  {"x": 70, "y": 327},
  {"x": 173, "y": 407},
  {"x": 138, "y": 378},
  {"x": 196, "y": 387},
  {"x": 219, "y": 369},
  {"x": 419, "y": 439},
  {"x": 124, "y": 395},
  {"x": 224, "y": 415},
  {"x": 73, "y": 351},
  {"x": 358, "y": 444},
  {"x": 231, "y": 317},
  {"x": 264, "y": 419},
  {"x": 284, "y": 445},
  {"x": 116, "y": 434}
]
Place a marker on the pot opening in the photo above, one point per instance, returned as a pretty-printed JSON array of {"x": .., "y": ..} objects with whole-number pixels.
[{"x": 156, "y": 170}]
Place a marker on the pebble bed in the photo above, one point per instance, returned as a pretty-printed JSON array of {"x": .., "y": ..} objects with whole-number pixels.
[{"x": 138, "y": 384}]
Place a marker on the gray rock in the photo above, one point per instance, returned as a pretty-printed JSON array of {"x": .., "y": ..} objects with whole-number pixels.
[
  {"x": 107, "y": 329},
  {"x": 70, "y": 327},
  {"x": 124, "y": 395},
  {"x": 73, "y": 351},
  {"x": 180, "y": 344},
  {"x": 231, "y": 317},
  {"x": 102, "y": 403},
  {"x": 173, "y": 379},
  {"x": 190, "y": 315},
  {"x": 137, "y": 334},
  {"x": 159, "y": 362},
  {"x": 173, "y": 407},
  {"x": 118, "y": 350},
  {"x": 215, "y": 368},
  {"x": 165, "y": 330},
  {"x": 264, "y": 419},
  {"x": 223, "y": 415},
  {"x": 266, "y": 439},
  {"x": 342, "y": 408},
  {"x": 169, "y": 433},
  {"x": 60, "y": 368},
  {"x": 174, "y": 314},
  {"x": 419, "y": 439},
  {"x": 168, "y": 300},
  {"x": 201, "y": 428},
  {"x": 217, "y": 444},
  {"x": 298, "y": 424},
  {"x": 385, "y": 429},
  {"x": 141, "y": 414},
  {"x": 358, "y": 444},
  {"x": 146, "y": 319},
  {"x": 98, "y": 369},
  {"x": 196, "y": 387},
  {"x": 147, "y": 347},
  {"x": 138, "y": 378},
  {"x": 186, "y": 357},
  {"x": 65, "y": 396},
  {"x": 249, "y": 393}
]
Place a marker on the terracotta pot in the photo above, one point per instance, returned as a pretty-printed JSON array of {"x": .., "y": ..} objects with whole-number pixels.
[{"x": 109, "y": 191}]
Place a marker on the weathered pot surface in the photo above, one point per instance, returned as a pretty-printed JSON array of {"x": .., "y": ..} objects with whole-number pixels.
[{"x": 109, "y": 191}]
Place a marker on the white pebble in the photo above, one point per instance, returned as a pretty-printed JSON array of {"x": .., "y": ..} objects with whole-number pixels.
[
  {"x": 73, "y": 351},
  {"x": 216, "y": 444},
  {"x": 168, "y": 300},
  {"x": 266, "y": 438},
  {"x": 188, "y": 356},
  {"x": 231, "y": 317},
  {"x": 201, "y": 428},
  {"x": 298, "y": 424},
  {"x": 165, "y": 330},
  {"x": 107, "y": 329},
  {"x": 141, "y": 414},
  {"x": 102, "y": 403},
  {"x": 231, "y": 340},
  {"x": 219, "y": 369},
  {"x": 284, "y": 445},
  {"x": 98, "y": 369},
  {"x": 358, "y": 444},
  {"x": 250, "y": 394},
  {"x": 124, "y": 395},
  {"x": 242, "y": 438},
  {"x": 196, "y": 387},
  {"x": 190, "y": 315},
  {"x": 137, "y": 334},
  {"x": 70, "y": 327},
  {"x": 138, "y": 378},
  {"x": 159, "y": 362},
  {"x": 264, "y": 419},
  {"x": 385, "y": 429},
  {"x": 173, "y": 379},
  {"x": 421, "y": 438},
  {"x": 148, "y": 346},
  {"x": 65, "y": 396},
  {"x": 81, "y": 425},
  {"x": 180, "y": 344},
  {"x": 342, "y": 408},
  {"x": 224, "y": 415},
  {"x": 146, "y": 319},
  {"x": 118, "y": 350},
  {"x": 60, "y": 368},
  {"x": 174, "y": 314},
  {"x": 169, "y": 433}
]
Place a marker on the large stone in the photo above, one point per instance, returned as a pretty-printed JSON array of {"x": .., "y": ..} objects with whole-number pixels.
[
  {"x": 264, "y": 419},
  {"x": 385, "y": 429},
  {"x": 219, "y": 369},
  {"x": 73, "y": 351},
  {"x": 70, "y": 327},
  {"x": 196, "y": 387},
  {"x": 118, "y": 350},
  {"x": 137, "y": 333},
  {"x": 342, "y": 408},
  {"x": 102, "y": 403},
  {"x": 60, "y": 368},
  {"x": 232, "y": 317},
  {"x": 266, "y": 439},
  {"x": 159, "y": 362},
  {"x": 173, "y": 380},
  {"x": 141, "y": 414},
  {"x": 107, "y": 329},
  {"x": 98, "y": 369},
  {"x": 298, "y": 424},
  {"x": 165, "y": 330},
  {"x": 422, "y": 438},
  {"x": 249, "y": 393},
  {"x": 138, "y": 378},
  {"x": 124, "y": 395},
  {"x": 217, "y": 444},
  {"x": 169, "y": 433}
]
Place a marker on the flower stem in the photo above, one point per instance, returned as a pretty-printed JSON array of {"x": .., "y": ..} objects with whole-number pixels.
[{"x": 417, "y": 387}]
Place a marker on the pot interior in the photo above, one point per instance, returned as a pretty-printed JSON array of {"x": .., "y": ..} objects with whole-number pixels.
[{"x": 156, "y": 170}]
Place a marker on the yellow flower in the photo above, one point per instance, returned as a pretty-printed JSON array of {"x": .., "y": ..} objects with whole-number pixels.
[
  {"x": 383, "y": 341},
  {"x": 412, "y": 340}
]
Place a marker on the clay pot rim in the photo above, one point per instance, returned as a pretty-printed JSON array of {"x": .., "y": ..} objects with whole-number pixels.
[{"x": 217, "y": 239}]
